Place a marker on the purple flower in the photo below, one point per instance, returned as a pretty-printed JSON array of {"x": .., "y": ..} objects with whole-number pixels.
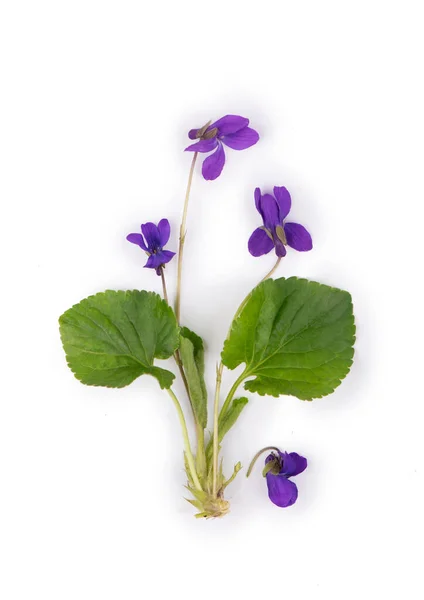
[
  {"x": 155, "y": 238},
  {"x": 279, "y": 468},
  {"x": 231, "y": 130},
  {"x": 275, "y": 233}
]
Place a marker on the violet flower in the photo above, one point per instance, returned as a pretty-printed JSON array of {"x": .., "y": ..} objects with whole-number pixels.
[
  {"x": 275, "y": 233},
  {"x": 231, "y": 130},
  {"x": 279, "y": 468},
  {"x": 155, "y": 238}
]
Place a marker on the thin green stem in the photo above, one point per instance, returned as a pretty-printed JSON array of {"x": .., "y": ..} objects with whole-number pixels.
[
  {"x": 200, "y": 434},
  {"x": 162, "y": 276},
  {"x": 179, "y": 362},
  {"x": 200, "y": 452},
  {"x": 187, "y": 448},
  {"x": 232, "y": 392},
  {"x": 243, "y": 304},
  {"x": 257, "y": 455},
  {"x": 274, "y": 268},
  {"x": 215, "y": 429},
  {"x": 240, "y": 308},
  {"x": 182, "y": 239},
  {"x": 219, "y": 414},
  {"x": 233, "y": 476},
  {"x": 177, "y": 358}
]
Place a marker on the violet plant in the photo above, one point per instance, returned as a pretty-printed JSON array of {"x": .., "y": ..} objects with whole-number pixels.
[{"x": 294, "y": 336}]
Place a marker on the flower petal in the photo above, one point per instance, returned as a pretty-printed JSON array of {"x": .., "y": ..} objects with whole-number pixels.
[
  {"x": 229, "y": 124},
  {"x": 269, "y": 211},
  {"x": 213, "y": 164},
  {"x": 297, "y": 237},
  {"x": 293, "y": 464},
  {"x": 258, "y": 200},
  {"x": 260, "y": 243},
  {"x": 164, "y": 229},
  {"x": 281, "y": 491},
  {"x": 137, "y": 238},
  {"x": 151, "y": 235},
  {"x": 192, "y": 134},
  {"x": 280, "y": 249},
  {"x": 203, "y": 146},
  {"x": 283, "y": 200},
  {"x": 153, "y": 262},
  {"x": 241, "y": 139},
  {"x": 166, "y": 255},
  {"x": 160, "y": 258},
  {"x": 272, "y": 456}
]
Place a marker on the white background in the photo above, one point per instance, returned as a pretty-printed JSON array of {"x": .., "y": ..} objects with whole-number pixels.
[{"x": 96, "y": 100}]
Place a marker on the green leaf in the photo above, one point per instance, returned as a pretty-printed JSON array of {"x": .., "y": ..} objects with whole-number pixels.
[
  {"x": 112, "y": 338},
  {"x": 193, "y": 358},
  {"x": 295, "y": 336}
]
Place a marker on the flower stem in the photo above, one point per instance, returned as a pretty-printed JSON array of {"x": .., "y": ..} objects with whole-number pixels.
[
  {"x": 182, "y": 239},
  {"x": 257, "y": 455},
  {"x": 177, "y": 356},
  {"x": 243, "y": 304},
  {"x": 215, "y": 429},
  {"x": 165, "y": 293},
  {"x": 187, "y": 448},
  {"x": 217, "y": 414},
  {"x": 274, "y": 268},
  {"x": 233, "y": 476},
  {"x": 199, "y": 430}
]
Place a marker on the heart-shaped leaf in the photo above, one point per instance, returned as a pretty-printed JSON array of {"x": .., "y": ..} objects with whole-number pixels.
[
  {"x": 112, "y": 338},
  {"x": 295, "y": 337}
]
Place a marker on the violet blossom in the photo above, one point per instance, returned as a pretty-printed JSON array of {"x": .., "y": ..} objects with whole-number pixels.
[
  {"x": 153, "y": 242},
  {"x": 231, "y": 130},
  {"x": 275, "y": 233},
  {"x": 279, "y": 468}
]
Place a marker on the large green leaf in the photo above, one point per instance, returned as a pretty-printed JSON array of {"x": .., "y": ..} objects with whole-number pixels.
[
  {"x": 295, "y": 336},
  {"x": 112, "y": 338},
  {"x": 193, "y": 359}
]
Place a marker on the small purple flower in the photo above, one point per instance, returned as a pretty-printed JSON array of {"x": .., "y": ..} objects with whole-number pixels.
[
  {"x": 279, "y": 468},
  {"x": 231, "y": 130},
  {"x": 155, "y": 238},
  {"x": 275, "y": 233}
]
